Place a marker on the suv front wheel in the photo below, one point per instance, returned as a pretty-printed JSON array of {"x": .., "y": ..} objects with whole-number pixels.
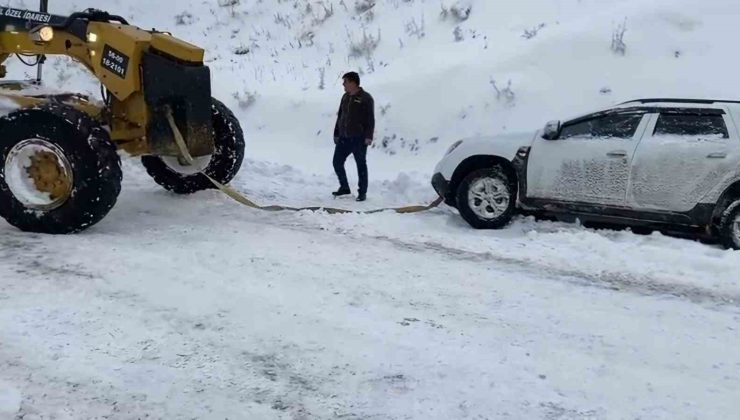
[{"x": 486, "y": 198}]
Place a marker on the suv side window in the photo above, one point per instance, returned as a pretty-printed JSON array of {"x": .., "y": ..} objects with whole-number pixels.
[
  {"x": 710, "y": 125},
  {"x": 616, "y": 126}
]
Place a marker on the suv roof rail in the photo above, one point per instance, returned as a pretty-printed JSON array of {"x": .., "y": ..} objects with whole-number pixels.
[{"x": 679, "y": 101}]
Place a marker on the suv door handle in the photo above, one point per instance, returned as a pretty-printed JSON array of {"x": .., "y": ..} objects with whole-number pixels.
[
  {"x": 718, "y": 155},
  {"x": 617, "y": 153}
]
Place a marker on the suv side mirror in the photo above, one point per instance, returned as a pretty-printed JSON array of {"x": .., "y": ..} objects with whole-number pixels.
[{"x": 551, "y": 130}]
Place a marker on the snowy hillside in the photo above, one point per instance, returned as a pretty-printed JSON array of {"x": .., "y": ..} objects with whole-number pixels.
[
  {"x": 194, "y": 307},
  {"x": 430, "y": 64}
]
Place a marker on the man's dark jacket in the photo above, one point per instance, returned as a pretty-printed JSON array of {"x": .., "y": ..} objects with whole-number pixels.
[{"x": 356, "y": 117}]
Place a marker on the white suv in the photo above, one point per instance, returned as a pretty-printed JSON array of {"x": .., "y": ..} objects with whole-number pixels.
[{"x": 666, "y": 164}]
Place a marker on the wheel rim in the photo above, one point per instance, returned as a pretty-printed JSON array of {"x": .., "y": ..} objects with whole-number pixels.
[
  {"x": 178, "y": 165},
  {"x": 38, "y": 174},
  {"x": 489, "y": 198},
  {"x": 736, "y": 229}
]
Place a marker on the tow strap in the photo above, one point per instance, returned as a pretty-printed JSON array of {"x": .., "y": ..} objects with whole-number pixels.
[{"x": 240, "y": 198}]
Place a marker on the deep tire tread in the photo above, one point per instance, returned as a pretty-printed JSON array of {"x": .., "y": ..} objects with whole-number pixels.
[
  {"x": 95, "y": 163},
  {"x": 225, "y": 163}
]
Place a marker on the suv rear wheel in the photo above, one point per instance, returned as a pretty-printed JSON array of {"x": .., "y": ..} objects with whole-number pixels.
[{"x": 729, "y": 227}]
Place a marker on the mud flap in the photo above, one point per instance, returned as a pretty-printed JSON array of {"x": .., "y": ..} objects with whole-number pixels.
[{"x": 185, "y": 89}]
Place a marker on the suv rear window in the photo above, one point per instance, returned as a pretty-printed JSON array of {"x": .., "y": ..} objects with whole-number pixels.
[
  {"x": 691, "y": 125},
  {"x": 620, "y": 126}
]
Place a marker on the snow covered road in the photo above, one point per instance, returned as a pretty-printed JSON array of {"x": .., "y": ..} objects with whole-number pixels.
[{"x": 193, "y": 307}]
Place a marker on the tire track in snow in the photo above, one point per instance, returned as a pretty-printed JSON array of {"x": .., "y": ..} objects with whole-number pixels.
[
  {"x": 644, "y": 285},
  {"x": 616, "y": 281}
]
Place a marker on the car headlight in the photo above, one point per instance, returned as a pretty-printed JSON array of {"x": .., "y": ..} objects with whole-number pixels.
[{"x": 453, "y": 147}]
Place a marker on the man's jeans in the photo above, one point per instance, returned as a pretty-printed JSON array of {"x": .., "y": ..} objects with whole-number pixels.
[{"x": 351, "y": 146}]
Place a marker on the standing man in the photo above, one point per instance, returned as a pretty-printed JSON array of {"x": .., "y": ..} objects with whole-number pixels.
[{"x": 353, "y": 133}]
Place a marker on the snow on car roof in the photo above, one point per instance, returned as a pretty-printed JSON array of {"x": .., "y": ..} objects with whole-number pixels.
[
  {"x": 659, "y": 103},
  {"x": 684, "y": 103}
]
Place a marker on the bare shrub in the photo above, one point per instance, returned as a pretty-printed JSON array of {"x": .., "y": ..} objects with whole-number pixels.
[
  {"x": 505, "y": 94},
  {"x": 618, "y": 45}
]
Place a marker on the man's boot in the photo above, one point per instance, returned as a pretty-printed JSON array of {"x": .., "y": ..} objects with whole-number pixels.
[
  {"x": 341, "y": 191},
  {"x": 361, "y": 197}
]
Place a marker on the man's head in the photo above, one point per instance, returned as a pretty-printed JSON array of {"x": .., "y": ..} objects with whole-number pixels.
[{"x": 351, "y": 82}]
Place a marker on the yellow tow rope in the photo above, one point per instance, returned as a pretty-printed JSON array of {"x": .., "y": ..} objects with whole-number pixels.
[{"x": 240, "y": 198}]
